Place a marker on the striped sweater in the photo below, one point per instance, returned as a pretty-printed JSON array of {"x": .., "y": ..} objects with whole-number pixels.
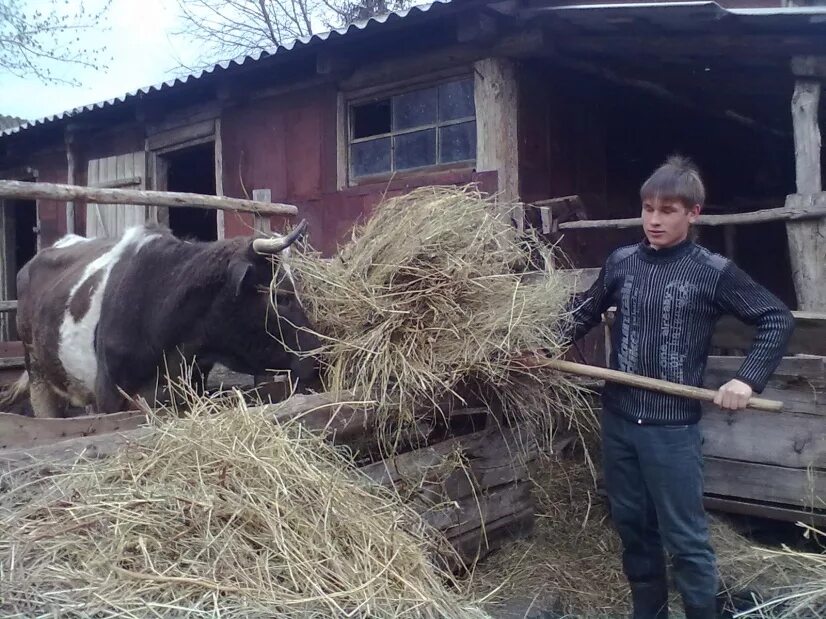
[{"x": 668, "y": 302}]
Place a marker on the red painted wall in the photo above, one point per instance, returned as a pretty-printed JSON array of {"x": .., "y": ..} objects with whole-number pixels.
[{"x": 288, "y": 144}]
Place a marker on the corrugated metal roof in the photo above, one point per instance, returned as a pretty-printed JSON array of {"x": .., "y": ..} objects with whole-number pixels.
[
  {"x": 676, "y": 16},
  {"x": 235, "y": 62}
]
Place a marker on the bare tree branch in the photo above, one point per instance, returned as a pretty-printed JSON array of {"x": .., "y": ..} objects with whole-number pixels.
[
  {"x": 41, "y": 38},
  {"x": 226, "y": 29}
]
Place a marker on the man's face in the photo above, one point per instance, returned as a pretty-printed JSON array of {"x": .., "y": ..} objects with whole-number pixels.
[{"x": 666, "y": 221}]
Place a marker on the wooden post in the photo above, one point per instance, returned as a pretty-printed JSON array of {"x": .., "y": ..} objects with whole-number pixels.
[
  {"x": 261, "y": 223},
  {"x": 220, "y": 220},
  {"x": 69, "y": 139},
  {"x": 497, "y": 145},
  {"x": 807, "y": 239}
]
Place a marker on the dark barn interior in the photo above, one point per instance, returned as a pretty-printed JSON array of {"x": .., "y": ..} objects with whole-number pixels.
[
  {"x": 192, "y": 170},
  {"x": 597, "y": 128}
]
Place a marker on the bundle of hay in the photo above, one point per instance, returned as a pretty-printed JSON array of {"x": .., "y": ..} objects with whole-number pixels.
[
  {"x": 222, "y": 514},
  {"x": 429, "y": 301}
]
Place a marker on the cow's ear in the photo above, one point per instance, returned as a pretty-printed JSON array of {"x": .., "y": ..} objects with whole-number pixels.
[{"x": 240, "y": 275}]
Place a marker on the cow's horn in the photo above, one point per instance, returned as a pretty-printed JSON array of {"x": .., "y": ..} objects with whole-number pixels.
[{"x": 274, "y": 246}]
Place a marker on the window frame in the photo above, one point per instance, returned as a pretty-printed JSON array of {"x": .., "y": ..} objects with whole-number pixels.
[{"x": 350, "y": 100}]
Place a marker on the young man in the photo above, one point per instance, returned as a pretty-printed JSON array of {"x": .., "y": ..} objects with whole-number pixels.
[{"x": 668, "y": 293}]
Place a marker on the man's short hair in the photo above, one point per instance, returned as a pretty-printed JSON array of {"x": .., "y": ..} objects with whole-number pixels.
[{"x": 676, "y": 179}]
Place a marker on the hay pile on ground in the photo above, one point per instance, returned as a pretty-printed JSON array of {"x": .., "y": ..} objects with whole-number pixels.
[
  {"x": 428, "y": 301},
  {"x": 571, "y": 565},
  {"x": 790, "y": 584},
  {"x": 220, "y": 514}
]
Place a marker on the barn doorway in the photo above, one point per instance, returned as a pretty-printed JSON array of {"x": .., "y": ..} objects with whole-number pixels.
[
  {"x": 192, "y": 170},
  {"x": 18, "y": 229}
]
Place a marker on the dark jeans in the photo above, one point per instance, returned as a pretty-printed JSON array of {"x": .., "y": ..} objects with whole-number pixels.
[{"x": 654, "y": 480}]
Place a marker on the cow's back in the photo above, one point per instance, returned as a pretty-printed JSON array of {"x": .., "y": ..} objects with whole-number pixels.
[{"x": 59, "y": 296}]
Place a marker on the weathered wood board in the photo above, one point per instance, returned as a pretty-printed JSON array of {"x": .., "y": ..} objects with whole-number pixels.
[
  {"x": 808, "y": 338},
  {"x": 17, "y": 431},
  {"x": 788, "y": 439},
  {"x": 775, "y": 458},
  {"x": 763, "y": 482},
  {"x": 798, "y": 382}
]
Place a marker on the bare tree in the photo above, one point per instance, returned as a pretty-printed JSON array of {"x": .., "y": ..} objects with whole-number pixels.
[
  {"x": 227, "y": 29},
  {"x": 41, "y": 37}
]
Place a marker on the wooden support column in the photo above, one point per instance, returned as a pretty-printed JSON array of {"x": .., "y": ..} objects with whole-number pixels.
[
  {"x": 69, "y": 138},
  {"x": 261, "y": 223},
  {"x": 807, "y": 239},
  {"x": 497, "y": 146}
]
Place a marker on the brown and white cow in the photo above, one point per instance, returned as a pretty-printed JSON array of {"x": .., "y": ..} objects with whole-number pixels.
[{"x": 102, "y": 317}]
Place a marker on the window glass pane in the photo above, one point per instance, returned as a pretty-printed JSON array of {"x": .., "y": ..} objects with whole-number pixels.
[
  {"x": 457, "y": 142},
  {"x": 371, "y": 157},
  {"x": 371, "y": 119},
  {"x": 413, "y": 150},
  {"x": 456, "y": 100},
  {"x": 414, "y": 109}
]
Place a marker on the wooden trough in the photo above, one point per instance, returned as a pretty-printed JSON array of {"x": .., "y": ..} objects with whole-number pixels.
[{"x": 477, "y": 506}]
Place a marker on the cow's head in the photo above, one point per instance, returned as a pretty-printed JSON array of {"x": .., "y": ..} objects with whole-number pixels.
[{"x": 263, "y": 322}]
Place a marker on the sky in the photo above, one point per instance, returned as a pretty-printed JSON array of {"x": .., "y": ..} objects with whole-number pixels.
[{"x": 139, "y": 53}]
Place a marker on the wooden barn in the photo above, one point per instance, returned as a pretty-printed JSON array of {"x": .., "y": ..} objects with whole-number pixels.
[{"x": 564, "y": 107}]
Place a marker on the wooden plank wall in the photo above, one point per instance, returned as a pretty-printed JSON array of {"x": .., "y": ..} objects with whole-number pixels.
[
  {"x": 771, "y": 457},
  {"x": 119, "y": 171}
]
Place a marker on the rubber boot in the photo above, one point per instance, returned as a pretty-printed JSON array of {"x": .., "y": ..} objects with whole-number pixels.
[{"x": 650, "y": 599}]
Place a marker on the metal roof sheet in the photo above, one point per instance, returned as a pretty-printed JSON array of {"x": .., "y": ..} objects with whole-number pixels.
[
  {"x": 676, "y": 16},
  {"x": 295, "y": 44}
]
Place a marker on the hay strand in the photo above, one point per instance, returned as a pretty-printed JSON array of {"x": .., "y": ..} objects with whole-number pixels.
[
  {"x": 222, "y": 513},
  {"x": 429, "y": 301}
]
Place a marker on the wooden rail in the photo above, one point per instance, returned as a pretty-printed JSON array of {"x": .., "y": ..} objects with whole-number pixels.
[
  {"x": 797, "y": 208},
  {"x": 100, "y": 195}
]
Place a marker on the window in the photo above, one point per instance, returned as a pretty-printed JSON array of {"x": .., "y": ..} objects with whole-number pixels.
[{"x": 415, "y": 129}]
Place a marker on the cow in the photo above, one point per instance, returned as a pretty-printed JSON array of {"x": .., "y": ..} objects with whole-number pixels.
[{"x": 102, "y": 320}]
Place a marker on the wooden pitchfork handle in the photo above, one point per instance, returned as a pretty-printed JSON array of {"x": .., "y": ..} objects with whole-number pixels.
[{"x": 654, "y": 384}]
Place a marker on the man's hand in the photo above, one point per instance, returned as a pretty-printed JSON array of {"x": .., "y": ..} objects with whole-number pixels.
[{"x": 734, "y": 395}]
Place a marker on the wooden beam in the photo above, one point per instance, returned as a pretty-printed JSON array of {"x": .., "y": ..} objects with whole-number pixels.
[
  {"x": 807, "y": 240},
  {"x": 762, "y": 482},
  {"x": 386, "y": 73},
  {"x": 794, "y": 441},
  {"x": 496, "y": 98},
  {"x": 50, "y": 191},
  {"x": 19, "y": 432},
  {"x": 797, "y": 208},
  {"x": 477, "y": 27},
  {"x": 805, "y": 103},
  {"x": 761, "y": 510},
  {"x": 132, "y": 181},
  {"x": 744, "y": 49}
]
